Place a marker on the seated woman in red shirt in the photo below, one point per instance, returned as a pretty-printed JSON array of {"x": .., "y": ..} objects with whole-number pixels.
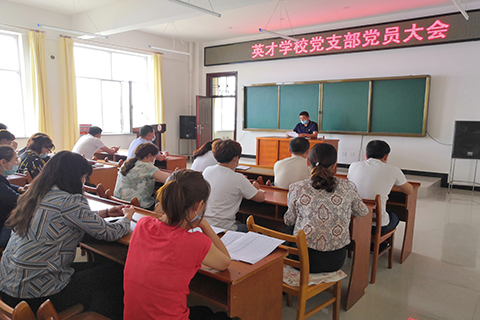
[{"x": 163, "y": 255}]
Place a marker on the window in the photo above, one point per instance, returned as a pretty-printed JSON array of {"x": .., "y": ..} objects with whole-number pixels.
[
  {"x": 16, "y": 114},
  {"x": 223, "y": 90},
  {"x": 113, "y": 89}
]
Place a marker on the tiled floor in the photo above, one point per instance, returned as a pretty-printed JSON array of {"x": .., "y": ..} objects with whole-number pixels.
[{"x": 440, "y": 279}]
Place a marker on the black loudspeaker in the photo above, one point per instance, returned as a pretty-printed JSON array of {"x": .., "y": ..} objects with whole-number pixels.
[
  {"x": 466, "y": 142},
  {"x": 188, "y": 125}
]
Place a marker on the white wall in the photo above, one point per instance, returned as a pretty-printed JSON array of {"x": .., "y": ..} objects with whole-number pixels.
[
  {"x": 455, "y": 94},
  {"x": 176, "y": 69}
]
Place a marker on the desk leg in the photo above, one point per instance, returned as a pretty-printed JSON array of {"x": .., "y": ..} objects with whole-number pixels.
[
  {"x": 409, "y": 225},
  {"x": 259, "y": 296},
  {"x": 361, "y": 234}
]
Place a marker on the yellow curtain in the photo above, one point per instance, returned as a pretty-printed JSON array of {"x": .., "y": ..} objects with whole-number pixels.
[
  {"x": 158, "y": 91},
  {"x": 38, "y": 67},
  {"x": 71, "y": 131}
]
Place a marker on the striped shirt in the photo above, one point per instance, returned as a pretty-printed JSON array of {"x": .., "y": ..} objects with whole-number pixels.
[{"x": 38, "y": 264}]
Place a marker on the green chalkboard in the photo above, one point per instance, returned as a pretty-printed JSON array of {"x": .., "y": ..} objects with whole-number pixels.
[
  {"x": 398, "y": 106},
  {"x": 387, "y": 106},
  {"x": 345, "y": 106},
  {"x": 303, "y": 97},
  {"x": 262, "y": 107}
]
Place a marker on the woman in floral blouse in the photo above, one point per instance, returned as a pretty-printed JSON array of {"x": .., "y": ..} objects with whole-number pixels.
[
  {"x": 137, "y": 176},
  {"x": 322, "y": 206},
  {"x": 36, "y": 154}
]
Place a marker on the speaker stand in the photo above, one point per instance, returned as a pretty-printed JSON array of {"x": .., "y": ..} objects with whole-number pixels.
[{"x": 451, "y": 175}]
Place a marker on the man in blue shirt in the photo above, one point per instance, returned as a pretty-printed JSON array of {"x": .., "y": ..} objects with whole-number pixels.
[
  {"x": 147, "y": 134},
  {"x": 306, "y": 128}
]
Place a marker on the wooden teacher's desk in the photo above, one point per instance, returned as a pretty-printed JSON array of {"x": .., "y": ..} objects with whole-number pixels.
[
  {"x": 171, "y": 163},
  {"x": 272, "y": 149},
  {"x": 244, "y": 290},
  {"x": 270, "y": 213}
]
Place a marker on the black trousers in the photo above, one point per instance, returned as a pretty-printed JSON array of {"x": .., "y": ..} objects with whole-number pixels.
[{"x": 98, "y": 286}]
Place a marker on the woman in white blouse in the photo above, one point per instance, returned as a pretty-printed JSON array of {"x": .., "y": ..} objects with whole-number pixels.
[
  {"x": 322, "y": 207},
  {"x": 203, "y": 157}
]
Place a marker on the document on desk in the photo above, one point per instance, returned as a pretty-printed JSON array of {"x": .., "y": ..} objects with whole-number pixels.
[
  {"x": 242, "y": 167},
  {"x": 292, "y": 134},
  {"x": 136, "y": 216},
  {"x": 215, "y": 229},
  {"x": 251, "y": 247}
]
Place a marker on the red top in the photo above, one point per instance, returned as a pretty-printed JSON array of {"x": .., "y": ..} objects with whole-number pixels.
[{"x": 161, "y": 262}]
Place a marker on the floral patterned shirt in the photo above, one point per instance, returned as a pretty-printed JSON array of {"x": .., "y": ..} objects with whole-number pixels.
[
  {"x": 137, "y": 183},
  {"x": 31, "y": 162},
  {"x": 324, "y": 216}
]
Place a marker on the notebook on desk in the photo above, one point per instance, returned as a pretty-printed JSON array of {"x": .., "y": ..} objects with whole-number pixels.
[{"x": 249, "y": 247}]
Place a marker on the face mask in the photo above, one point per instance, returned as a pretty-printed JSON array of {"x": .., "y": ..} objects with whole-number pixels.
[
  {"x": 43, "y": 156},
  {"x": 198, "y": 217},
  {"x": 304, "y": 121},
  {"x": 11, "y": 171}
]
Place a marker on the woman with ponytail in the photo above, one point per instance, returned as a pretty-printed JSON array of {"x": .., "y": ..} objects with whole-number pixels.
[
  {"x": 322, "y": 206},
  {"x": 137, "y": 176},
  {"x": 163, "y": 256}
]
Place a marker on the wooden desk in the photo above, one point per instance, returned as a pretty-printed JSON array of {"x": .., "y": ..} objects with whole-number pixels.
[
  {"x": 106, "y": 175},
  {"x": 270, "y": 214},
  {"x": 255, "y": 171},
  {"x": 272, "y": 149},
  {"x": 404, "y": 206},
  {"x": 171, "y": 163},
  {"x": 17, "y": 179},
  {"x": 245, "y": 291}
]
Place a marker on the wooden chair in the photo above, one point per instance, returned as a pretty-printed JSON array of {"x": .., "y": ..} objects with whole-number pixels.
[
  {"x": 29, "y": 177},
  {"x": 21, "y": 311},
  {"x": 134, "y": 202},
  {"x": 47, "y": 311},
  {"x": 304, "y": 291},
  {"x": 99, "y": 190},
  {"x": 378, "y": 238}
]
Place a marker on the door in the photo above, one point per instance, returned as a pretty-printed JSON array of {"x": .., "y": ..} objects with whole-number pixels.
[{"x": 204, "y": 120}]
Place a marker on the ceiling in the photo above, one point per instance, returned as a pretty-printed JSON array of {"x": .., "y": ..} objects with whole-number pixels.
[{"x": 240, "y": 18}]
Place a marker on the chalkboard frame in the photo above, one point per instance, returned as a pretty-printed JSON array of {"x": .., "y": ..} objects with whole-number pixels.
[{"x": 321, "y": 105}]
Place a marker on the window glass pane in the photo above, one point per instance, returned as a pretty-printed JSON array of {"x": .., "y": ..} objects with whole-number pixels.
[
  {"x": 224, "y": 114},
  {"x": 231, "y": 86},
  {"x": 129, "y": 67},
  {"x": 223, "y": 86},
  {"x": 11, "y": 102},
  {"x": 92, "y": 63},
  {"x": 143, "y": 112},
  {"x": 89, "y": 101},
  {"x": 112, "y": 106},
  {"x": 9, "y": 58}
]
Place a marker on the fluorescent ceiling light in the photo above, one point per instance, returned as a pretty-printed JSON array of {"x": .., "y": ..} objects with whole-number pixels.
[
  {"x": 81, "y": 33},
  {"x": 278, "y": 35},
  {"x": 186, "y": 4},
  {"x": 169, "y": 50},
  {"x": 465, "y": 15}
]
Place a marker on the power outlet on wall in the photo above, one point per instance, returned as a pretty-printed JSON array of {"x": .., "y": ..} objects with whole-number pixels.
[
  {"x": 344, "y": 154},
  {"x": 352, "y": 154}
]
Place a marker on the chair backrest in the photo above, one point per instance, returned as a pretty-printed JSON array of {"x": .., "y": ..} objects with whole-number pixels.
[
  {"x": 133, "y": 202},
  {"x": 99, "y": 190},
  {"x": 378, "y": 216},
  {"x": 21, "y": 311},
  {"x": 47, "y": 311},
  {"x": 303, "y": 263}
]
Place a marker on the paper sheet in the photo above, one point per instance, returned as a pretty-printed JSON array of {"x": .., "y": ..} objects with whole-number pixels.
[
  {"x": 252, "y": 247},
  {"x": 292, "y": 134},
  {"x": 231, "y": 236}
]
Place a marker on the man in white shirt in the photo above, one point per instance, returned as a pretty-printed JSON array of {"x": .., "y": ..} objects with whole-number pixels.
[
  {"x": 227, "y": 187},
  {"x": 295, "y": 168},
  {"x": 147, "y": 135},
  {"x": 91, "y": 143},
  {"x": 374, "y": 176}
]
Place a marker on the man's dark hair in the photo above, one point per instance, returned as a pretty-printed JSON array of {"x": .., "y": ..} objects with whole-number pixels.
[
  {"x": 94, "y": 130},
  {"x": 304, "y": 113},
  {"x": 377, "y": 149},
  {"x": 225, "y": 150},
  {"x": 299, "y": 145},
  {"x": 145, "y": 130},
  {"x": 3, "y": 127}
]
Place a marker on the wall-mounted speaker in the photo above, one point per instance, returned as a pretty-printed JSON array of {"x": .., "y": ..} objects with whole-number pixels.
[
  {"x": 466, "y": 142},
  {"x": 188, "y": 126}
]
